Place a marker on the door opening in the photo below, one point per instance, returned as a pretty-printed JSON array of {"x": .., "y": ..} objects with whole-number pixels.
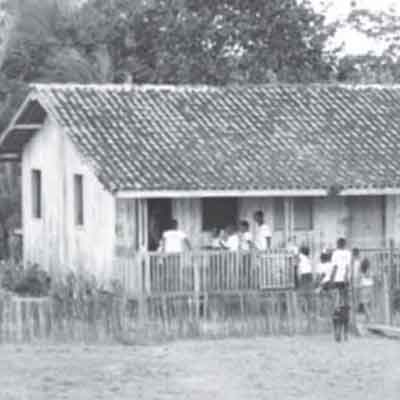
[{"x": 160, "y": 215}]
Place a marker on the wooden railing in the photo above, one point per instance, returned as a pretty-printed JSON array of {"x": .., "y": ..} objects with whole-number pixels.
[
  {"x": 205, "y": 271},
  {"x": 384, "y": 263},
  {"x": 220, "y": 271}
]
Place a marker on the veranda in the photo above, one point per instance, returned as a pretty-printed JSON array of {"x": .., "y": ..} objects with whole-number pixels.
[
  {"x": 208, "y": 271},
  {"x": 315, "y": 220}
]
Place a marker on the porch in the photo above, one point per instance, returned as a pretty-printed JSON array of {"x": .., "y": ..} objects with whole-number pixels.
[
  {"x": 203, "y": 271},
  {"x": 208, "y": 272},
  {"x": 368, "y": 221}
]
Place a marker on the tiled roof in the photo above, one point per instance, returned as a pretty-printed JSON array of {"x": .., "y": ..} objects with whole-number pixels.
[{"x": 233, "y": 138}]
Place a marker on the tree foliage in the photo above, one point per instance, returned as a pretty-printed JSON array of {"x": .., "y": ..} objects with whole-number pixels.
[
  {"x": 162, "y": 41},
  {"x": 384, "y": 67},
  {"x": 213, "y": 42}
]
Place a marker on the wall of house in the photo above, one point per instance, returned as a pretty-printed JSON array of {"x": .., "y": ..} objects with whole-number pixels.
[
  {"x": 331, "y": 217},
  {"x": 188, "y": 213},
  {"x": 131, "y": 224},
  {"x": 248, "y": 206},
  {"x": 365, "y": 221},
  {"x": 392, "y": 225},
  {"x": 361, "y": 219},
  {"x": 54, "y": 241}
]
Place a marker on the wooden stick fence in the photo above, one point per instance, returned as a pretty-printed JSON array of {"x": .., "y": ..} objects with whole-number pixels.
[
  {"x": 111, "y": 318},
  {"x": 199, "y": 294}
]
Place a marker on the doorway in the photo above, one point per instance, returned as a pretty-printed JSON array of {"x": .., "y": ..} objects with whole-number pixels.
[{"x": 159, "y": 217}]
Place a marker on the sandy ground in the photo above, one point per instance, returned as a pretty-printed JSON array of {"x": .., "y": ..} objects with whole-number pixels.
[{"x": 266, "y": 368}]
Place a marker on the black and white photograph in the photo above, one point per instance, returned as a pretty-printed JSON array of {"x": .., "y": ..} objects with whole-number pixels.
[{"x": 199, "y": 199}]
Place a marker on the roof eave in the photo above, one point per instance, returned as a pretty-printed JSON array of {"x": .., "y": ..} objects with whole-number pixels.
[
  {"x": 370, "y": 191},
  {"x": 12, "y": 126},
  {"x": 151, "y": 194},
  {"x": 148, "y": 194}
]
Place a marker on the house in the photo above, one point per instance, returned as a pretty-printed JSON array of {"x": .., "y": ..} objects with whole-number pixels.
[{"x": 105, "y": 166}]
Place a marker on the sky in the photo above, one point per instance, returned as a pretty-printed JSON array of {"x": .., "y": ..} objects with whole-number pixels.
[{"x": 354, "y": 42}]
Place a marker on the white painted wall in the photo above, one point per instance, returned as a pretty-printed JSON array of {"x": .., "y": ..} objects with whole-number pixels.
[
  {"x": 188, "y": 213},
  {"x": 54, "y": 242}
]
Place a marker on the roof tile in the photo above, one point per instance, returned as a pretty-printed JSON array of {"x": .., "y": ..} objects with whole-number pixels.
[{"x": 233, "y": 138}]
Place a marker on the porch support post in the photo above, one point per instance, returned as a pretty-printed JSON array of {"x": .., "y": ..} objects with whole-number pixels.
[
  {"x": 143, "y": 223},
  {"x": 288, "y": 213},
  {"x": 144, "y": 265}
]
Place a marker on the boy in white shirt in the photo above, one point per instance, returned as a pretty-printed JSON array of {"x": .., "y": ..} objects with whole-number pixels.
[
  {"x": 324, "y": 269},
  {"x": 305, "y": 268},
  {"x": 245, "y": 242},
  {"x": 245, "y": 245},
  {"x": 174, "y": 240},
  {"x": 341, "y": 261},
  {"x": 262, "y": 239},
  {"x": 231, "y": 243}
]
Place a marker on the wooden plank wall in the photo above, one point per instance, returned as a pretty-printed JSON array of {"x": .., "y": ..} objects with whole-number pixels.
[
  {"x": 54, "y": 241},
  {"x": 131, "y": 241},
  {"x": 392, "y": 218},
  {"x": 188, "y": 213},
  {"x": 44, "y": 238},
  {"x": 248, "y": 206},
  {"x": 331, "y": 217},
  {"x": 131, "y": 223}
]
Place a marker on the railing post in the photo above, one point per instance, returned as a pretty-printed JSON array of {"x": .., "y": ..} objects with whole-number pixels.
[
  {"x": 147, "y": 277},
  {"x": 197, "y": 288},
  {"x": 196, "y": 277},
  {"x": 386, "y": 297}
]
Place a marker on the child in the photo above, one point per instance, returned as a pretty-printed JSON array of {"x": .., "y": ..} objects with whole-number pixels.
[
  {"x": 355, "y": 266},
  {"x": 245, "y": 245},
  {"x": 324, "y": 270},
  {"x": 230, "y": 241},
  {"x": 245, "y": 242},
  {"x": 341, "y": 260},
  {"x": 304, "y": 268},
  {"x": 366, "y": 284},
  {"x": 215, "y": 239}
]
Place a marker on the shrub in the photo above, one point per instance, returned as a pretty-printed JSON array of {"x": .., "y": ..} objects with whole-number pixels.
[{"x": 31, "y": 281}]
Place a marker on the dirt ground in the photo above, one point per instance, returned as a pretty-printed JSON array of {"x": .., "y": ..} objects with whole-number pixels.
[{"x": 265, "y": 368}]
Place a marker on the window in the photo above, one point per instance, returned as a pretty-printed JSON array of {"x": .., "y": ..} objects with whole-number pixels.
[
  {"x": 78, "y": 200},
  {"x": 303, "y": 214},
  {"x": 279, "y": 214},
  {"x": 219, "y": 212},
  {"x": 36, "y": 193}
]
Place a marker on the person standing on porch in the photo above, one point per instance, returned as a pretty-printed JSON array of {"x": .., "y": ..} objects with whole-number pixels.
[
  {"x": 245, "y": 245},
  {"x": 262, "y": 239},
  {"x": 245, "y": 239},
  {"x": 231, "y": 240},
  {"x": 174, "y": 240}
]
